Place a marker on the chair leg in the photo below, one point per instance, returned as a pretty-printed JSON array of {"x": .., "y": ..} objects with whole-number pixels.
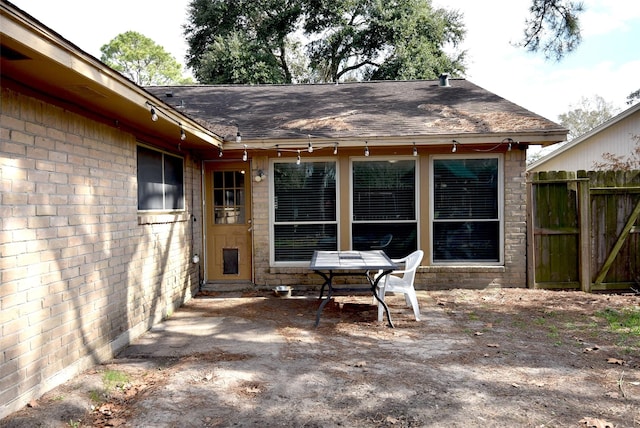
[
  {"x": 410, "y": 295},
  {"x": 380, "y": 307}
]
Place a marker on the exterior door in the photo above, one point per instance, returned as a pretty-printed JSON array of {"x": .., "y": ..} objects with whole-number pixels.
[{"x": 228, "y": 224}]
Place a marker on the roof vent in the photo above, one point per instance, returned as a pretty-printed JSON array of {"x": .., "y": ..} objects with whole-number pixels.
[{"x": 444, "y": 79}]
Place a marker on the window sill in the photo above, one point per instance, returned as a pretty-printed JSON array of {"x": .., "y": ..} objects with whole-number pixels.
[
  {"x": 462, "y": 268},
  {"x": 162, "y": 218}
]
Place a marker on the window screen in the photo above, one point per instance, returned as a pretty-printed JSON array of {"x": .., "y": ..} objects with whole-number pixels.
[
  {"x": 384, "y": 206},
  {"x": 304, "y": 209},
  {"x": 160, "y": 180},
  {"x": 466, "y": 223}
]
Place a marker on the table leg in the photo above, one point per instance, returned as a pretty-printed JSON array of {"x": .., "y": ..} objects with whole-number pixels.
[
  {"x": 327, "y": 281},
  {"x": 374, "y": 290}
]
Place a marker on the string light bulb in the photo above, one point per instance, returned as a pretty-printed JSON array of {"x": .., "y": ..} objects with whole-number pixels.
[
  {"x": 509, "y": 143},
  {"x": 154, "y": 115},
  {"x": 298, "y": 160},
  {"x": 310, "y": 147},
  {"x": 335, "y": 149},
  {"x": 278, "y": 151},
  {"x": 455, "y": 147},
  {"x": 238, "y": 137},
  {"x": 366, "y": 148},
  {"x": 183, "y": 135},
  {"x": 415, "y": 150},
  {"x": 244, "y": 154},
  {"x": 219, "y": 151}
]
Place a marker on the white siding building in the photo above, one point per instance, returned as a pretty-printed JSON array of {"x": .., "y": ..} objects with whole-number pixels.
[{"x": 615, "y": 136}]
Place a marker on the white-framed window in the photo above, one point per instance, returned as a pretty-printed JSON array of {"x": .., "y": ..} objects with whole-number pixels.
[
  {"x": 160, "y": 180},
  {"x": 304, "y": 210},
  {"x": 384, "y": 205},
  {"x": 467, "y": 209}
]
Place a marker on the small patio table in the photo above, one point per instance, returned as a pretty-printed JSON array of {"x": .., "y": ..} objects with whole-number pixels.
[{"x": 329, "y": 264}]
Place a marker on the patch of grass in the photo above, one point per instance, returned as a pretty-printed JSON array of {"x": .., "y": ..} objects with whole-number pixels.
[
  {"x": 96, "y": 396},
  {"x": 625, "y": 323},
  {"x": 540, "y": 321},
  {"x": 114, "y": 379},
  {"x": 520, "y": 324}
]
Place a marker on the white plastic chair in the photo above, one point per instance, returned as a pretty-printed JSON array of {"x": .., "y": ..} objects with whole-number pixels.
[{"x": 401, "y": 281}]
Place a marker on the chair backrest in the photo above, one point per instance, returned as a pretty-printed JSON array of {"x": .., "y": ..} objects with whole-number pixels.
[
  {"x": 412, "y": 262},
  {"x": 385, "y": 240}
]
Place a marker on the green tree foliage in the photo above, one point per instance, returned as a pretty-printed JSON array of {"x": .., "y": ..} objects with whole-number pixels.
[
  {"x": 142, "y": 60},
  {"x": 553, "y": 27},
  {"x": 586, "y": 115},
  {"x": 241, "y": 41},
  {"x": 382, "y": 40},
  {"x": 246, "y": 41}
]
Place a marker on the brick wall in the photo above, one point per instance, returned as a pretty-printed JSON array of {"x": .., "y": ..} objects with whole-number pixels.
[
  {"x": 512, "y": 274},
  {"x": 81, "y": 272}
]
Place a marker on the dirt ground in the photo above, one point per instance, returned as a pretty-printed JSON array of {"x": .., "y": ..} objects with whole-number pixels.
[{"x": 490, "y": 358}]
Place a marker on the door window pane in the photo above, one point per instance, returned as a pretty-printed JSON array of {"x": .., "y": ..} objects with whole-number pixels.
[{"x": 229, "y": 197}]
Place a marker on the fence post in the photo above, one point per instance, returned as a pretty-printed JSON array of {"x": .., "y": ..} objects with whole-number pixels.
[
  {"x": 531, "y": 252},
  {"x": 584, "y": 209}
]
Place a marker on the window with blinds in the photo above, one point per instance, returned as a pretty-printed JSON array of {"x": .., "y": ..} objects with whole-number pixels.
[
  {"x": 384, "y": 214},
  {"x": 304, "y": 210},
  {"x": 466, "y": 209},
  {"x": 160, "y": 181}
]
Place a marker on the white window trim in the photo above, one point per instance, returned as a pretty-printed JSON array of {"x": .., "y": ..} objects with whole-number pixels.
[
  {"x": 416, "y": 195},
  {"x": 272, "y": 215},
  {"x": 500, "y": 158}
]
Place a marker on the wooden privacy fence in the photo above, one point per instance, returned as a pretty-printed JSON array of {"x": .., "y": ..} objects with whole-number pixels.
[{"x": 583, "y": 230}]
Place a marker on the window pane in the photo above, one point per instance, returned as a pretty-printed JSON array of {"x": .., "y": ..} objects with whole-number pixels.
[
  {"x": 160, "y": 180},
  {"x": 305, "y": 192},
  {"x": 384, "y": 190},
  {"x": 396, "y": 240},
  {"x": 465, "y": 188},
  {"x": 298, "y": 242},
  {"x": 149, "y": 179},
  {"x": 218, "y": 197},
  {"x": 228, "y": 179},
  {"x": 174, "y": 191},
  {"x": 305, "y": 209},
  {"x": 466, "y": 223},
  {"x": 477, "y": 241}
]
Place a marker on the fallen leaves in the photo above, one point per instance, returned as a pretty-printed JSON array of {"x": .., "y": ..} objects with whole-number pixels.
[{"x": 615, "y": 361}]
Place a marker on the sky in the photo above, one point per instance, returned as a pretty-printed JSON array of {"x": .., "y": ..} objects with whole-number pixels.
[{"x": 607, "y": 63}]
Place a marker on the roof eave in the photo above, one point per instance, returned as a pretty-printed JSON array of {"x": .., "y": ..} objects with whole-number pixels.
[{"x": 60, "y": 70}]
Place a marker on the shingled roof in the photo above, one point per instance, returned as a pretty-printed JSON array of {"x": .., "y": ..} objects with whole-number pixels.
[{"x": 356, "y": 110}]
